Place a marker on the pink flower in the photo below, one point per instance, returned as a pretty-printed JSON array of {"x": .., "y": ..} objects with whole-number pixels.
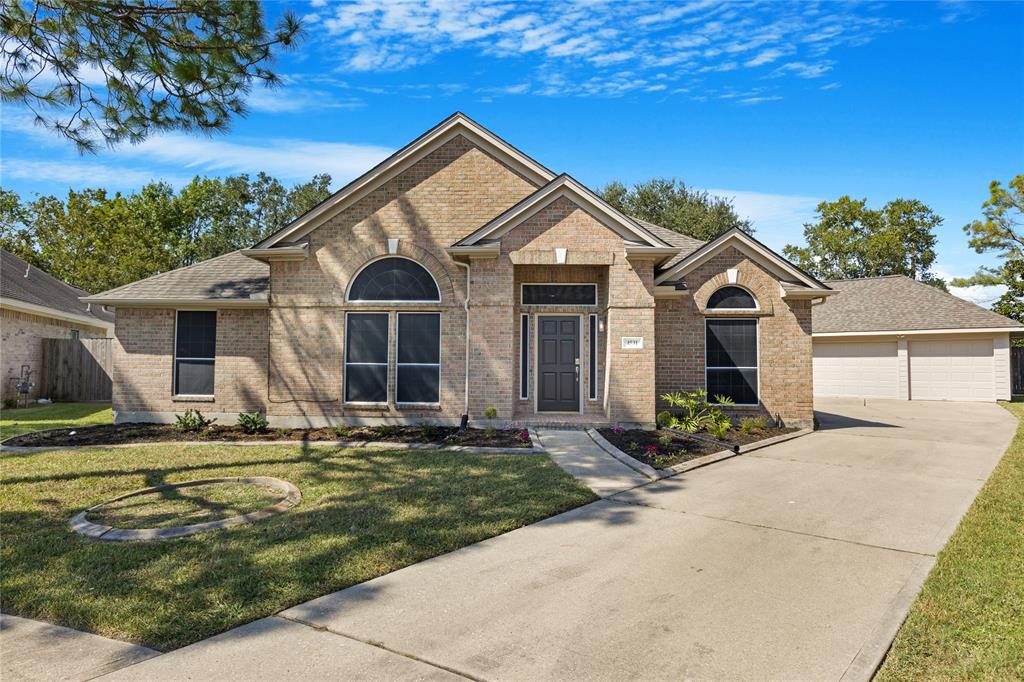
[
  {"x": 618, "y": 429},
  {"x": 524, "y": 436},
  {"x": 651, "y": 449}
]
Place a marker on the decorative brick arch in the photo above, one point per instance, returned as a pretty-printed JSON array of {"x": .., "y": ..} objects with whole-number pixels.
[
  {"x": 359, "y": 258},
  {"x": 757, "y": 282}
]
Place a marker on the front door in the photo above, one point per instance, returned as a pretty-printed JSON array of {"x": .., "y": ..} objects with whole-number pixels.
[{"x": 558, "y": 359}]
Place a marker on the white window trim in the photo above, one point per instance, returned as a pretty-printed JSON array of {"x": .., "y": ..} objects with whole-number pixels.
[
  {"x": 523, "y": 285},
  {"x": 755, "y": 309},
  {"x": 378, "y": 303},
  {"x": 757, "y": 354},
  {"x": 536, "y": 361},
  {"x": 593, "y": 329},
  {"x": 175, "y": 358},
  {"x": 524, "y": 356},
  {"x": 345, "y": 363},
  {"x": 398, "y": 322}
]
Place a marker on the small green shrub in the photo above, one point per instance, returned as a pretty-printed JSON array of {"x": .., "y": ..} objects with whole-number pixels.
[
  {"x": 427, "y": 430},
  {"x": 491, "y": 413},
  {"x": 192, "y": 421},
  {"x": 665, "y": 439},
  {"x": 697, "y": 412},
  {"x": 752, "y": 424},
  {"x": 10, "y": 403},
  {"x": 342, "y": 431},
  {"x": 633, "y": 446},
  {"x": 665, "y": 419},
  {"x": 252, "y": 422},
  {"x": 719, "y": 429},
  {"x": 384, "y": 431}
]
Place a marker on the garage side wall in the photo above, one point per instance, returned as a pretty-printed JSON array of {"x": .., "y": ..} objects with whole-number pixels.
[{"x": 784, "y": 331}]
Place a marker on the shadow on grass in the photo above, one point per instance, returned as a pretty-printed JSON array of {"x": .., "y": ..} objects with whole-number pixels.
[{"x": 364, "y": 513}]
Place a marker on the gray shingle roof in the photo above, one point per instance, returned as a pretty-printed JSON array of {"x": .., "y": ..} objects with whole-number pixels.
[
  {"x": 898, "y": 303},
  {"x": 230, "y": 277},
  {"x": 41, "y": 288},
  {"x": 686, "y": 243}
]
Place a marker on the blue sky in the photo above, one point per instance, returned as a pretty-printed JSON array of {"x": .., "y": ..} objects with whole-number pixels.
[{"x": 775, "y": 105}]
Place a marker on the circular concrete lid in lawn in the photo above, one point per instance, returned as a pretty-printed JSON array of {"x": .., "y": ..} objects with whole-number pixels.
[{"x": 209, "y": 504}]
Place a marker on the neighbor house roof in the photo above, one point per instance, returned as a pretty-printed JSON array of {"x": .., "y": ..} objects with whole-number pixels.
[
  {"x": 26, "y": 287},
  {"x": 231, "y": 279},
  {"x": 897, "y": 303}
]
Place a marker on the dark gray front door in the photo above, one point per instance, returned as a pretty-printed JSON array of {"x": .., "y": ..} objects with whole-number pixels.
[{"x": 558, "y": 357}]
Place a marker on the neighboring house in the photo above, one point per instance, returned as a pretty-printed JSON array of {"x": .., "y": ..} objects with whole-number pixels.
[
  {"x": 357, "y": 310},
  {"x": 894, "y": 337},
  {"x": 34, "y": 306}
]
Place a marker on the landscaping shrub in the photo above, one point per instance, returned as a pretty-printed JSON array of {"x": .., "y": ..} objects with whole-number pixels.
[
  {"x": 720, "y": 429},
  {"x": 491, "y": 413},
  {"x": 697, "y": 411},
  {"x": 752, "y": 424},
  {"x": 252, "y": 422},
  {"x": 192, "y": 421},
  {"x": 664, "y": 419}
]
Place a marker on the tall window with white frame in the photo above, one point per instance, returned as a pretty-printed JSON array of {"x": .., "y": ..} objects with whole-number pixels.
[
  {"x": 392, "y": 282},
  {"x": 195, "y": 352},
  {"x": 731, "y": 348}
]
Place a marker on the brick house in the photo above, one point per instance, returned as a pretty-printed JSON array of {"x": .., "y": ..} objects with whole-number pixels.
[
  {"x": 35, "y": 306},
  {"x": 456, "y": 275}
]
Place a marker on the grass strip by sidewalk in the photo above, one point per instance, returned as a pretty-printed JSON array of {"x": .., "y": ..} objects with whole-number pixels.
[
  {"x": 363, "y": 513},
  {"x": 968, "y": 621},
  {"x": 19, "y": 420}
]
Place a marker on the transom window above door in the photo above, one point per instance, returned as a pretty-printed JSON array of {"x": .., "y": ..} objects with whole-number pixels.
[
  {"x": 394, "y": 279},
  {"x": 559, "y": 294}
]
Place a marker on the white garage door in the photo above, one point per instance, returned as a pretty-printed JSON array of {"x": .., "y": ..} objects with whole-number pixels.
[
  {"x": 860, "y": 369},
  {"x": 952, "y": 370}
]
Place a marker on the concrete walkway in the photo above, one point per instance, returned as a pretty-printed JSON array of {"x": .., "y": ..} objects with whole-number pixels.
[
  {"x": 579, "y": 455},
  {"x": 30, "y": 650},
  {"x": 795, "y": 562}
]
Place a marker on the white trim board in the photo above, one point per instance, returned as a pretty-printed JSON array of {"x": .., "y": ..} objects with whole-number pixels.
[
  {"x": 914, "y": 332},
  {"x": 46, "y": 311},
  {"x": 456, "y": 124}
]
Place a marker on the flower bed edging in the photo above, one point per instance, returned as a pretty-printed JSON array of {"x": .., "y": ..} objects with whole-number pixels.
[
  {"x": 635, "y": 464},
  {"x": 749, "y": 447}
]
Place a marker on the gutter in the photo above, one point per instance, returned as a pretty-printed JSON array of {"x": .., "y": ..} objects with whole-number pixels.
[{"x": 464, "y": 422}]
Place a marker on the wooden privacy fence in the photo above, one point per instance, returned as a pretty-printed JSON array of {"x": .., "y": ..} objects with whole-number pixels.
[
  {"x": 76, "y": 369},
  {"x": 1017, "y": 369}
]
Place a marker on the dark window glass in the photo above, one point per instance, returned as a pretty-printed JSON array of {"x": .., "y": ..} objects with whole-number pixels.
[
  {"x": 524, "y": 357},
  {"x": 394, "y": 279},
  {"x": 366, "y": 357},
  {"x": 419, "y": 358},
  {"x": 593, "y": 357},
  {"x": 731, "y": 297},
  {"x": 731, "y": 360},
  {"x": 194, "y": 352},
  {"x": 559, "y": 294}
]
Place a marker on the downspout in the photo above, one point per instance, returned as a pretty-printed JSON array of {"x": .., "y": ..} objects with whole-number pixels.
[{"x": 464, "y": 422}]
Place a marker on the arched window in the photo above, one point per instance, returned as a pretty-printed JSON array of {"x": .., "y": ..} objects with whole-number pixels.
[
  {"x": 731, "y": 298},
  {"x": 394, "y": 279}
]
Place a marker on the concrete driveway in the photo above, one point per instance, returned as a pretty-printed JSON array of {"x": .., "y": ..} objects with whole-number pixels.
[{"x": 795, "y": 562}]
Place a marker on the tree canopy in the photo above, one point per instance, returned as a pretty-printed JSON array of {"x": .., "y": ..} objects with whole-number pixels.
[
  {"x": 96, "y": 240},
  {"x": 1000, "y": 231},
  {"x": 672, "y": 205},
  {"x": 116, "y": 70},
  {"x": 850, "y": 240}
]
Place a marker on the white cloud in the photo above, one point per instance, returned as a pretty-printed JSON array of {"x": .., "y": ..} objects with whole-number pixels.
[
  {"x": 979, "y": 294},
  {"x": 290, "y": 99},
  {"x": 831, "y": 86},
  {"x": 804, "y": 70},
  {"x": 764, "y": 57},
  {"x": 760, "y": 99},
  {"x": 83, "y": 173},
  {"x": 778, "y": 218}
]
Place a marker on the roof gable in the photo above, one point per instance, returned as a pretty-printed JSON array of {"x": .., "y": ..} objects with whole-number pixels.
[
  {"x": 565, "y": 186},
  {"x": 749, "y": 246},
  {"x": 896, "y": 303},
  {"x": 456, "y": 124}
]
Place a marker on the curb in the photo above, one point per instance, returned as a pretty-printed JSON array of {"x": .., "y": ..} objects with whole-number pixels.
[{"x": 535, "y": 449}]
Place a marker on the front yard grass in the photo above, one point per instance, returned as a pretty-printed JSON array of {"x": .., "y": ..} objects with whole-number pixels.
[
  {"x": 19, "y": 420},
  {"x": 968, "y": 621},
  {"x": 363, "y": 513}
]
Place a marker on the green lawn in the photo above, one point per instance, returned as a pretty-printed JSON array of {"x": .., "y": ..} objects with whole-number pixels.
[
  {"x": 19, "y": 420},
  {"x": 968, "y": 622},
  {"x": 363, "y": 513}
]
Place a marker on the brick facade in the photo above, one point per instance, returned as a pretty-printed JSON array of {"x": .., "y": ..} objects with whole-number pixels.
[
  {"x": 20, "y": 335},
  {"x": 784, "y": 338},
  {"x": 288, "y": 360}
]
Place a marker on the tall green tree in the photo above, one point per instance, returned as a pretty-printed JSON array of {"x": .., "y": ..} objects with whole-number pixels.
[
  {"x": 117, "y": 70},
  {"x": 97, "y": 240},
  {"x": 1011, "y": 303},
  {"x": 1000, "y": 231},
  {"x": 851, "y": 240},
  {"x": 671, "y": 204}
]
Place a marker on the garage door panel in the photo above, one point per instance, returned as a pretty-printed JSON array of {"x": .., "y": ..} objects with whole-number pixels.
[
  {"x": 952, "y": 370},
  {"x": 856, "y": 369}
]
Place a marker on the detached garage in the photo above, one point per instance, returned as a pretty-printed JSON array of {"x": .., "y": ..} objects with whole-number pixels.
[{"x": 894, "y": 337}]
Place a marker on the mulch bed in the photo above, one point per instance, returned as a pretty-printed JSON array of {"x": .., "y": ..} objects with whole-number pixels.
[
  {"x": 120, "y": 434},
  {"x": 645, "y": 445}
]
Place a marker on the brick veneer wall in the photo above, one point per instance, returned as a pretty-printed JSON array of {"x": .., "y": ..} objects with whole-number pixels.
[
  {"x": 20, "y": 340},
  {"x": 786, "y": 384}
]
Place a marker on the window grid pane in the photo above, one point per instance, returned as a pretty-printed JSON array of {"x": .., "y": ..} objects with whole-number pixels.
[
  {"x": 731, "y": 297},
  {"x": 559, "y": 294},
  {"x": 418, "y": 378},
  {"x": 195, "y": 350},
  {"x": 731, "y": 360},
  {"x": 366, "y": 357},
  {"x": 394, "y": 279}
]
